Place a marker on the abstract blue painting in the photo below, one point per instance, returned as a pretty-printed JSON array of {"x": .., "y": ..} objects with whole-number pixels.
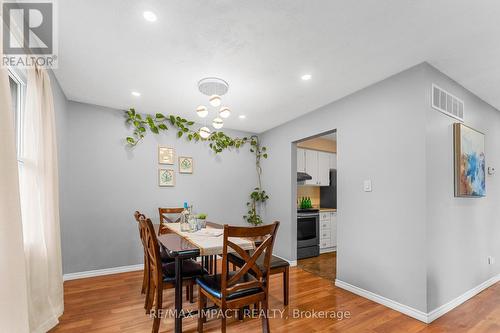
[{"x": 470, "y": 162}]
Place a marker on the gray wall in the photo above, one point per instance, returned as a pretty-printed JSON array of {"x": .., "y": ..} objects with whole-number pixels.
[
  {"x": 104, "y": 183},
  {"x": 381, "y": 235},
  {"x": 461, "y": 232}
]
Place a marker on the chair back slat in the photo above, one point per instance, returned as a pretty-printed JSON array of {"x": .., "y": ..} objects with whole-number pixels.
[
  {"x": 266, "y": 236},
  {"x": 164, "y": 218},
  {"x": 152, "y": 252}
]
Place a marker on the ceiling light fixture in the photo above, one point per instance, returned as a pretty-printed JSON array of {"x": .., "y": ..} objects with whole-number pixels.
[
  {"x": 306, "y": 77},
  {"x": 224, "y": 112},
  {"x": 202, "y": 111},
  {"x": 217, "y": 123},
  {"x": 214, "y": 88},
  {"x": 204, "y": 132},
  {"x": 242, "y": 116},
  {"x": 136, "y": 94},
  {"x": 150, "y": 16}
]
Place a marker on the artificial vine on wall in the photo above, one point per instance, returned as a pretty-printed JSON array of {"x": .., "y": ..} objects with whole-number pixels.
[{"x": 219, "y": 141}]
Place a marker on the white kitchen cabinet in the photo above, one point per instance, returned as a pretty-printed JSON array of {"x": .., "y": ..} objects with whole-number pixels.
[
  {"x": 312, "y": 166},
  {"x": 317, "y": 165},
  {"x": 327, "y": 232},
  {"x": 333, "y": 226},
  {"x": 323, "y": 169},
  {"x": 301, "y": 160}
]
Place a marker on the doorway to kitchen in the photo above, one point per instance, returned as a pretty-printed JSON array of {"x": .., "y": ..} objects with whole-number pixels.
[{"x": 316, "y": 204}]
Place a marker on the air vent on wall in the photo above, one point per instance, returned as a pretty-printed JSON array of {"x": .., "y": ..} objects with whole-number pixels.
[{"x": 447, "y": 103}]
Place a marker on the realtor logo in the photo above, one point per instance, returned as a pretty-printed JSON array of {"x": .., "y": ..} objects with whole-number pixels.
[{"x": 28, "y": 34}]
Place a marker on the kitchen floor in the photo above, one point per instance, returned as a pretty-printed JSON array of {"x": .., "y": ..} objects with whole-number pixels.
[{"x": 325, "y": 265}]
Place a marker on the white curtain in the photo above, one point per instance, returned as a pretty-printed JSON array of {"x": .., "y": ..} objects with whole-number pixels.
[
  {"x": 13, "y": 298},
  {"x": 40, "y": 205}
]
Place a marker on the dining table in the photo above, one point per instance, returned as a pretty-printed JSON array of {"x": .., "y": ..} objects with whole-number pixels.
[{"x": 181, "y": 245}]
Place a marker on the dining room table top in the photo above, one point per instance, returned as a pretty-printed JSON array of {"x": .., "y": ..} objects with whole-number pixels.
[{"x": 177, "y": 244}]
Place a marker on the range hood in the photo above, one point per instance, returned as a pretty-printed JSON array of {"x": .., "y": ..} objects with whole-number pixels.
[{"x": 302, "y": 177}]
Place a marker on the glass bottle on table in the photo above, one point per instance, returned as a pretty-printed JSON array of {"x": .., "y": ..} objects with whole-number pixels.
[{"x": 184, "y": 220}]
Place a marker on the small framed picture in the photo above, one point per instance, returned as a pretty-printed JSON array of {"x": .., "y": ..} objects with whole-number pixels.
[
  {"x": 166, "y": 155},
  {"x": 166, "y": 177},
  {"x": 185, "y": 164}
]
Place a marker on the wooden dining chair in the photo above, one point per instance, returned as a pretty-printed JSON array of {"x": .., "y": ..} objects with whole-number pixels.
[
  {"x": 165, "y": 218},
  {"x": 145, "y": 278},
  {"x": 162, "y": 275},
  {"x": 277, "y": 266},
  {"x": 236, "y": 289}
]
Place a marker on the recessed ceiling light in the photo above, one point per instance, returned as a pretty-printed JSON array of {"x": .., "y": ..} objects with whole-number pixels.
[
  {"x": 306, "y": 77},
  {"x": 150, "y": 16},
  {"x": 136, "y": 94},
  {"x": 242, "y": 116}
]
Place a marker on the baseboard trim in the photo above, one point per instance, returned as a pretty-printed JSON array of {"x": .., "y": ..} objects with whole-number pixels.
[
  {"x": 407, "y": 310},
  {"x": 443, "y": 309},
  {"x": 292, "y": 263},
  {"x": 414, "y": 313},
  {"x": 100, "y": 272}
]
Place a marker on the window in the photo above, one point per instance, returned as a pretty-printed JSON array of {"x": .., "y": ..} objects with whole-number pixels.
[{"x": 17, "y": 86}]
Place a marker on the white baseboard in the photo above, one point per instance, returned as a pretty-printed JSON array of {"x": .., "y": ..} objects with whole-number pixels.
[
  {"x": 443, "y": 309},
  {"x": 292, "y": 263},
  {"x": 414, "y": 313},
  {"x": 100, "y": 272},
  {"x": 407, "y": 310}
]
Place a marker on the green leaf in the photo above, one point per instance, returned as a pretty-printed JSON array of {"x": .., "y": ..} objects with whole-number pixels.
[
  {"x": 142, "y": 129},
  {"x": 154, "y": 129},
  {"x": 163, "y": 127},
  {"x": 172, "y": 120},
  {"x": 185, "y": 129},
  {"x": 130, "y": 140},
  {"x": 265, "y": 155},
  {"x": 159, "y": 116},
  {"x": 179, "y": 134},
  {"x": 190, "y": 123}
]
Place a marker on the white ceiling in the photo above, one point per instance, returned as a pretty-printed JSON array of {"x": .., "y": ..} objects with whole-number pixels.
[{"x": 262, "y": 47}]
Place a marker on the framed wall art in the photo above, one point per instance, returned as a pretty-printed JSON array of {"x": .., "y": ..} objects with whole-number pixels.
[
  {"x": 185, "y": 164},
  {"x": 166, "y": 155},
  {"x": 166, "y": 177},
  {"x": 470, "y": 162}
]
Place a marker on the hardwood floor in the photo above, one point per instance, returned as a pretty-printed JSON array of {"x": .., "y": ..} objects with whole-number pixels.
[
  {"x": 324, "y": 266},
  {"x": 113, "y": 303}
]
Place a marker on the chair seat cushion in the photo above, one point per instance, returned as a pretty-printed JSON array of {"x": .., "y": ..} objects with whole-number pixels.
[
  {"x": 275, "y": 261},
  {"x": 190, "y": 269},
  {"x": 212, "y": 284}
]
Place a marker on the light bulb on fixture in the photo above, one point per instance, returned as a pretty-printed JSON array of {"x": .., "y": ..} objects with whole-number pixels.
[
  {"x": 224, "y": 112},
  {"x": 202, "y": 111},
  {"x": 215, "y": 100},
  {"x": 217, "y": 123},
  {"x": 204, "y": 132}
]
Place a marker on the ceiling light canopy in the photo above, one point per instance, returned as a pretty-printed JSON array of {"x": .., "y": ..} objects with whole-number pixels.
[
  {"x": 136, "y": 93},
  {"x": 202, "y": 111},
  {"x": 224, "y": 112},
  {"x": 149, "y": 16},
  {"x": 242, "y": 116},
  {"x": 306, "y": 77}
]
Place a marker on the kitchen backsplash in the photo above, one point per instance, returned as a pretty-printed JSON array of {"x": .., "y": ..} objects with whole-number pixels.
[{"x": 311, "y": 192}]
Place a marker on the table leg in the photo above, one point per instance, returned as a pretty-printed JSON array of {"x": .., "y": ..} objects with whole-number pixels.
[{"x": 178, "y": 295}]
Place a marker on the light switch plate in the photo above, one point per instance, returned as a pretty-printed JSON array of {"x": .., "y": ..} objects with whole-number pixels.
[{"x": 367, "y": 185}]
